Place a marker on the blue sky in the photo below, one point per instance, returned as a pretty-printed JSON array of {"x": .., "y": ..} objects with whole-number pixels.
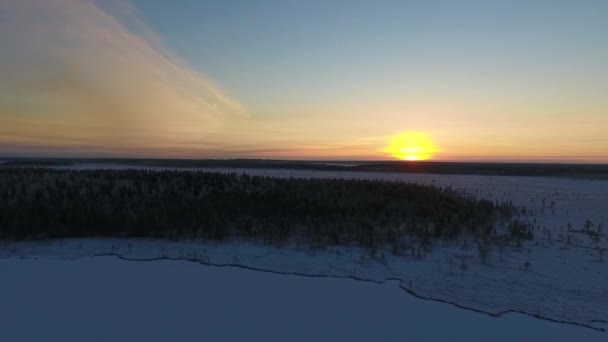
[{"x": 270, "y": 52}]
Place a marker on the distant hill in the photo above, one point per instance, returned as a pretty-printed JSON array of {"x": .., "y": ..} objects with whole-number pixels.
[{"x": 510, "y": 169}]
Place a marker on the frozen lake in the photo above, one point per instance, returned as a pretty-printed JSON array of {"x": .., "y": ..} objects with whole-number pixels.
[{"x": 108, "y": 299}]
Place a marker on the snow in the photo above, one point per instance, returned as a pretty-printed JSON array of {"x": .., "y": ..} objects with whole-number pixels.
[
  {"x": 107, "y": 299},
  {"x": 563, "y": 281}
]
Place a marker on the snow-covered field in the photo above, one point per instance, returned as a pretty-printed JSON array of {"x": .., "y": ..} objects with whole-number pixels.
[
  {"x": 107, "y": 299},
  {"x": 561, "y": 275}
]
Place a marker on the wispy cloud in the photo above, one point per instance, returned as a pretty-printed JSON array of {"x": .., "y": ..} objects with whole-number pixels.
[{"x": 72, "y": 73}]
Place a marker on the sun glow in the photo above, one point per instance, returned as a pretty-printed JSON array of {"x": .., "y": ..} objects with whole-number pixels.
[{"x": 411, "y": 146}]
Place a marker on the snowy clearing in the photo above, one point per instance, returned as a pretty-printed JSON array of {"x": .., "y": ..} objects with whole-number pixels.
[{"x": 107, "y": 299}]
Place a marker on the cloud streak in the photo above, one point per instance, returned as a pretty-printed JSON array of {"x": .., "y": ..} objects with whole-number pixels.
[{"x": 71, "y": 73}]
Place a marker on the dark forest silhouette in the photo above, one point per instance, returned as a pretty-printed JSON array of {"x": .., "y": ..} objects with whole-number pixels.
[{"x": 44, "y": 203}]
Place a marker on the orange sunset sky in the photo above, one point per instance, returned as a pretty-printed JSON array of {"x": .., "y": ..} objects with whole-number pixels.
[{"x": 419, "y": 80}]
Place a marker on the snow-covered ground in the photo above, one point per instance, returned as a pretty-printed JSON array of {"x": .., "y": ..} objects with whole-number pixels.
[
  {"x": 562, "y": 275},
  {"x": 107, "y": 299}
]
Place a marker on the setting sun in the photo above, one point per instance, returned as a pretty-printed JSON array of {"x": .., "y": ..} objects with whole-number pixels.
[{"x": 411, "y": 146}]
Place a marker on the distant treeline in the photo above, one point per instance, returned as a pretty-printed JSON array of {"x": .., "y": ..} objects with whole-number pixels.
[
  {"x": 504, "y": 169},
  {"x": 44, "y": 203}
]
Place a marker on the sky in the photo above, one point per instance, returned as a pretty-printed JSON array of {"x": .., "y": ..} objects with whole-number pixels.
[{"x": 319, "y": 79}]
